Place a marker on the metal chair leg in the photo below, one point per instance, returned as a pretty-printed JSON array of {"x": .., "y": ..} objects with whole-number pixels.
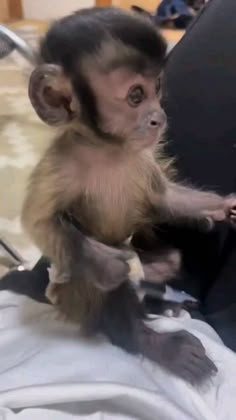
[{"x": 15, "y": 260}]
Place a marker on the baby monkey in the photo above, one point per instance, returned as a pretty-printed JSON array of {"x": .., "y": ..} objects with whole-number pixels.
[{"x": 99, "y": 79}]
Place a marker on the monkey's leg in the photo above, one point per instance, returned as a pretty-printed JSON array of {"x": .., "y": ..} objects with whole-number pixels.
[
  {"x": 179, "y": 352},
  {"x": 119, "y": 314}
]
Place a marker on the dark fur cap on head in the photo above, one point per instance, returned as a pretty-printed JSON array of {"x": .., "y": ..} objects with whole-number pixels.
[
  {"x": 72, "y": 38},
  {"x": 102, "y": 39}
]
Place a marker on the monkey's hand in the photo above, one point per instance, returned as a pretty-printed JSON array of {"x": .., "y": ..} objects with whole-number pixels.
[
  {"x": 185, "y": 203},
  {"x": 107, "y": 267},
  {"x": 104, "y": 266},
  {"x": 226, "y": 213}
]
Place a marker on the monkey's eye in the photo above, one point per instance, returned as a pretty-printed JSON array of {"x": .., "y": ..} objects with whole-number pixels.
[
  {"x": 136, "y": 96},
  {"x": 158, "y": 86}
]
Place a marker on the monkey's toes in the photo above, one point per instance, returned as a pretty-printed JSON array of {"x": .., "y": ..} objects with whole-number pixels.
[{"x": 190, "y": 361}]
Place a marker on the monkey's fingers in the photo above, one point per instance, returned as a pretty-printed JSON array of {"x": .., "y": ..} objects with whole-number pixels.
[
  {"x": 232, "y": 217},
  {"x": 230, "y": 208}
]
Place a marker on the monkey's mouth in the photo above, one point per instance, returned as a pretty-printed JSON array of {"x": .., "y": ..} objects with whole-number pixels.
[
  {"x": 147, "y": 138},
  {"x": 157, "y": 135}
]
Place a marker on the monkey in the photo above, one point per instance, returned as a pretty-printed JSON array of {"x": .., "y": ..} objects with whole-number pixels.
[{"x": 98, "y": 83}]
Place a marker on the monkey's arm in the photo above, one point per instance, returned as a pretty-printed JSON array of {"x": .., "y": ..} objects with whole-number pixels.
[
  {"x": 180, "y": 202},
  {"x": 45, "y": 200}
]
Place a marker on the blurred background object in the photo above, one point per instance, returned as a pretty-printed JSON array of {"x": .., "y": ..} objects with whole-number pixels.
[
  {"x": 10, "y": 41},
  {"x": 31, "y": 16},
  {"x": 175, "y": 14}
]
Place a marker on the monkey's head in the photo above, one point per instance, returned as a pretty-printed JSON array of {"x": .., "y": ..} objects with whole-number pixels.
[{"x": 101, "y": 70}]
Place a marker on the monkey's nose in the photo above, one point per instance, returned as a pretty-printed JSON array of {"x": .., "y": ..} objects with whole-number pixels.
[
  {"x": 157, "y": 119},
  {"x": 154, "y": 123}
]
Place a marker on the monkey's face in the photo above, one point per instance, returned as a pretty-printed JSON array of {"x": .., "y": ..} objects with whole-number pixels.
[
  {"x": 119, "y": 105},
  {"x": 129, "y": 106}
]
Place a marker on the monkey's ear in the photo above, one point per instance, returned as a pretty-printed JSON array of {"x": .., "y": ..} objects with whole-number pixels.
[{"x": 51, "y": 94}]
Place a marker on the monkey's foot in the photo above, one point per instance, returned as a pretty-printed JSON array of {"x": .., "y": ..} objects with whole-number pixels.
[{"x": 179, "y": 352}]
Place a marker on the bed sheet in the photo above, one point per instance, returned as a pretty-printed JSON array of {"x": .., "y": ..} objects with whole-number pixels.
[{"x": 47, "y": 371}]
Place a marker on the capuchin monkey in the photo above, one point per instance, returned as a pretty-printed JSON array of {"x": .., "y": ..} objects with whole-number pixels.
[{"x": 103, "y": 180}]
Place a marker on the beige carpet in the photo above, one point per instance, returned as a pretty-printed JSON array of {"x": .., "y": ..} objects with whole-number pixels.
[{"x": 22, "y": 140}]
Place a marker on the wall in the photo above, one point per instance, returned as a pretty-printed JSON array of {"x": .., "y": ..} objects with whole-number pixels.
[
  {"x": 4, "y": 10},
  {"x": 52, "y": 9},
  {"x": 150, "y": 5}
]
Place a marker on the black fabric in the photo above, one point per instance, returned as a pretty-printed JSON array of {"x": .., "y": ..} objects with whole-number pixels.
[
  {"x": 200, "y": 101},
  {"x": 30, "y": 283}
]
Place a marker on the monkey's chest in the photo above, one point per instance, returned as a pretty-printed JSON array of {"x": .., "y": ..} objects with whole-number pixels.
[{"x": 112, "y": 212}]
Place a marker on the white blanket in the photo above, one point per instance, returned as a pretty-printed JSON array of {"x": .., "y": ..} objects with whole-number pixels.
[{"x": 48, "y": 372}]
